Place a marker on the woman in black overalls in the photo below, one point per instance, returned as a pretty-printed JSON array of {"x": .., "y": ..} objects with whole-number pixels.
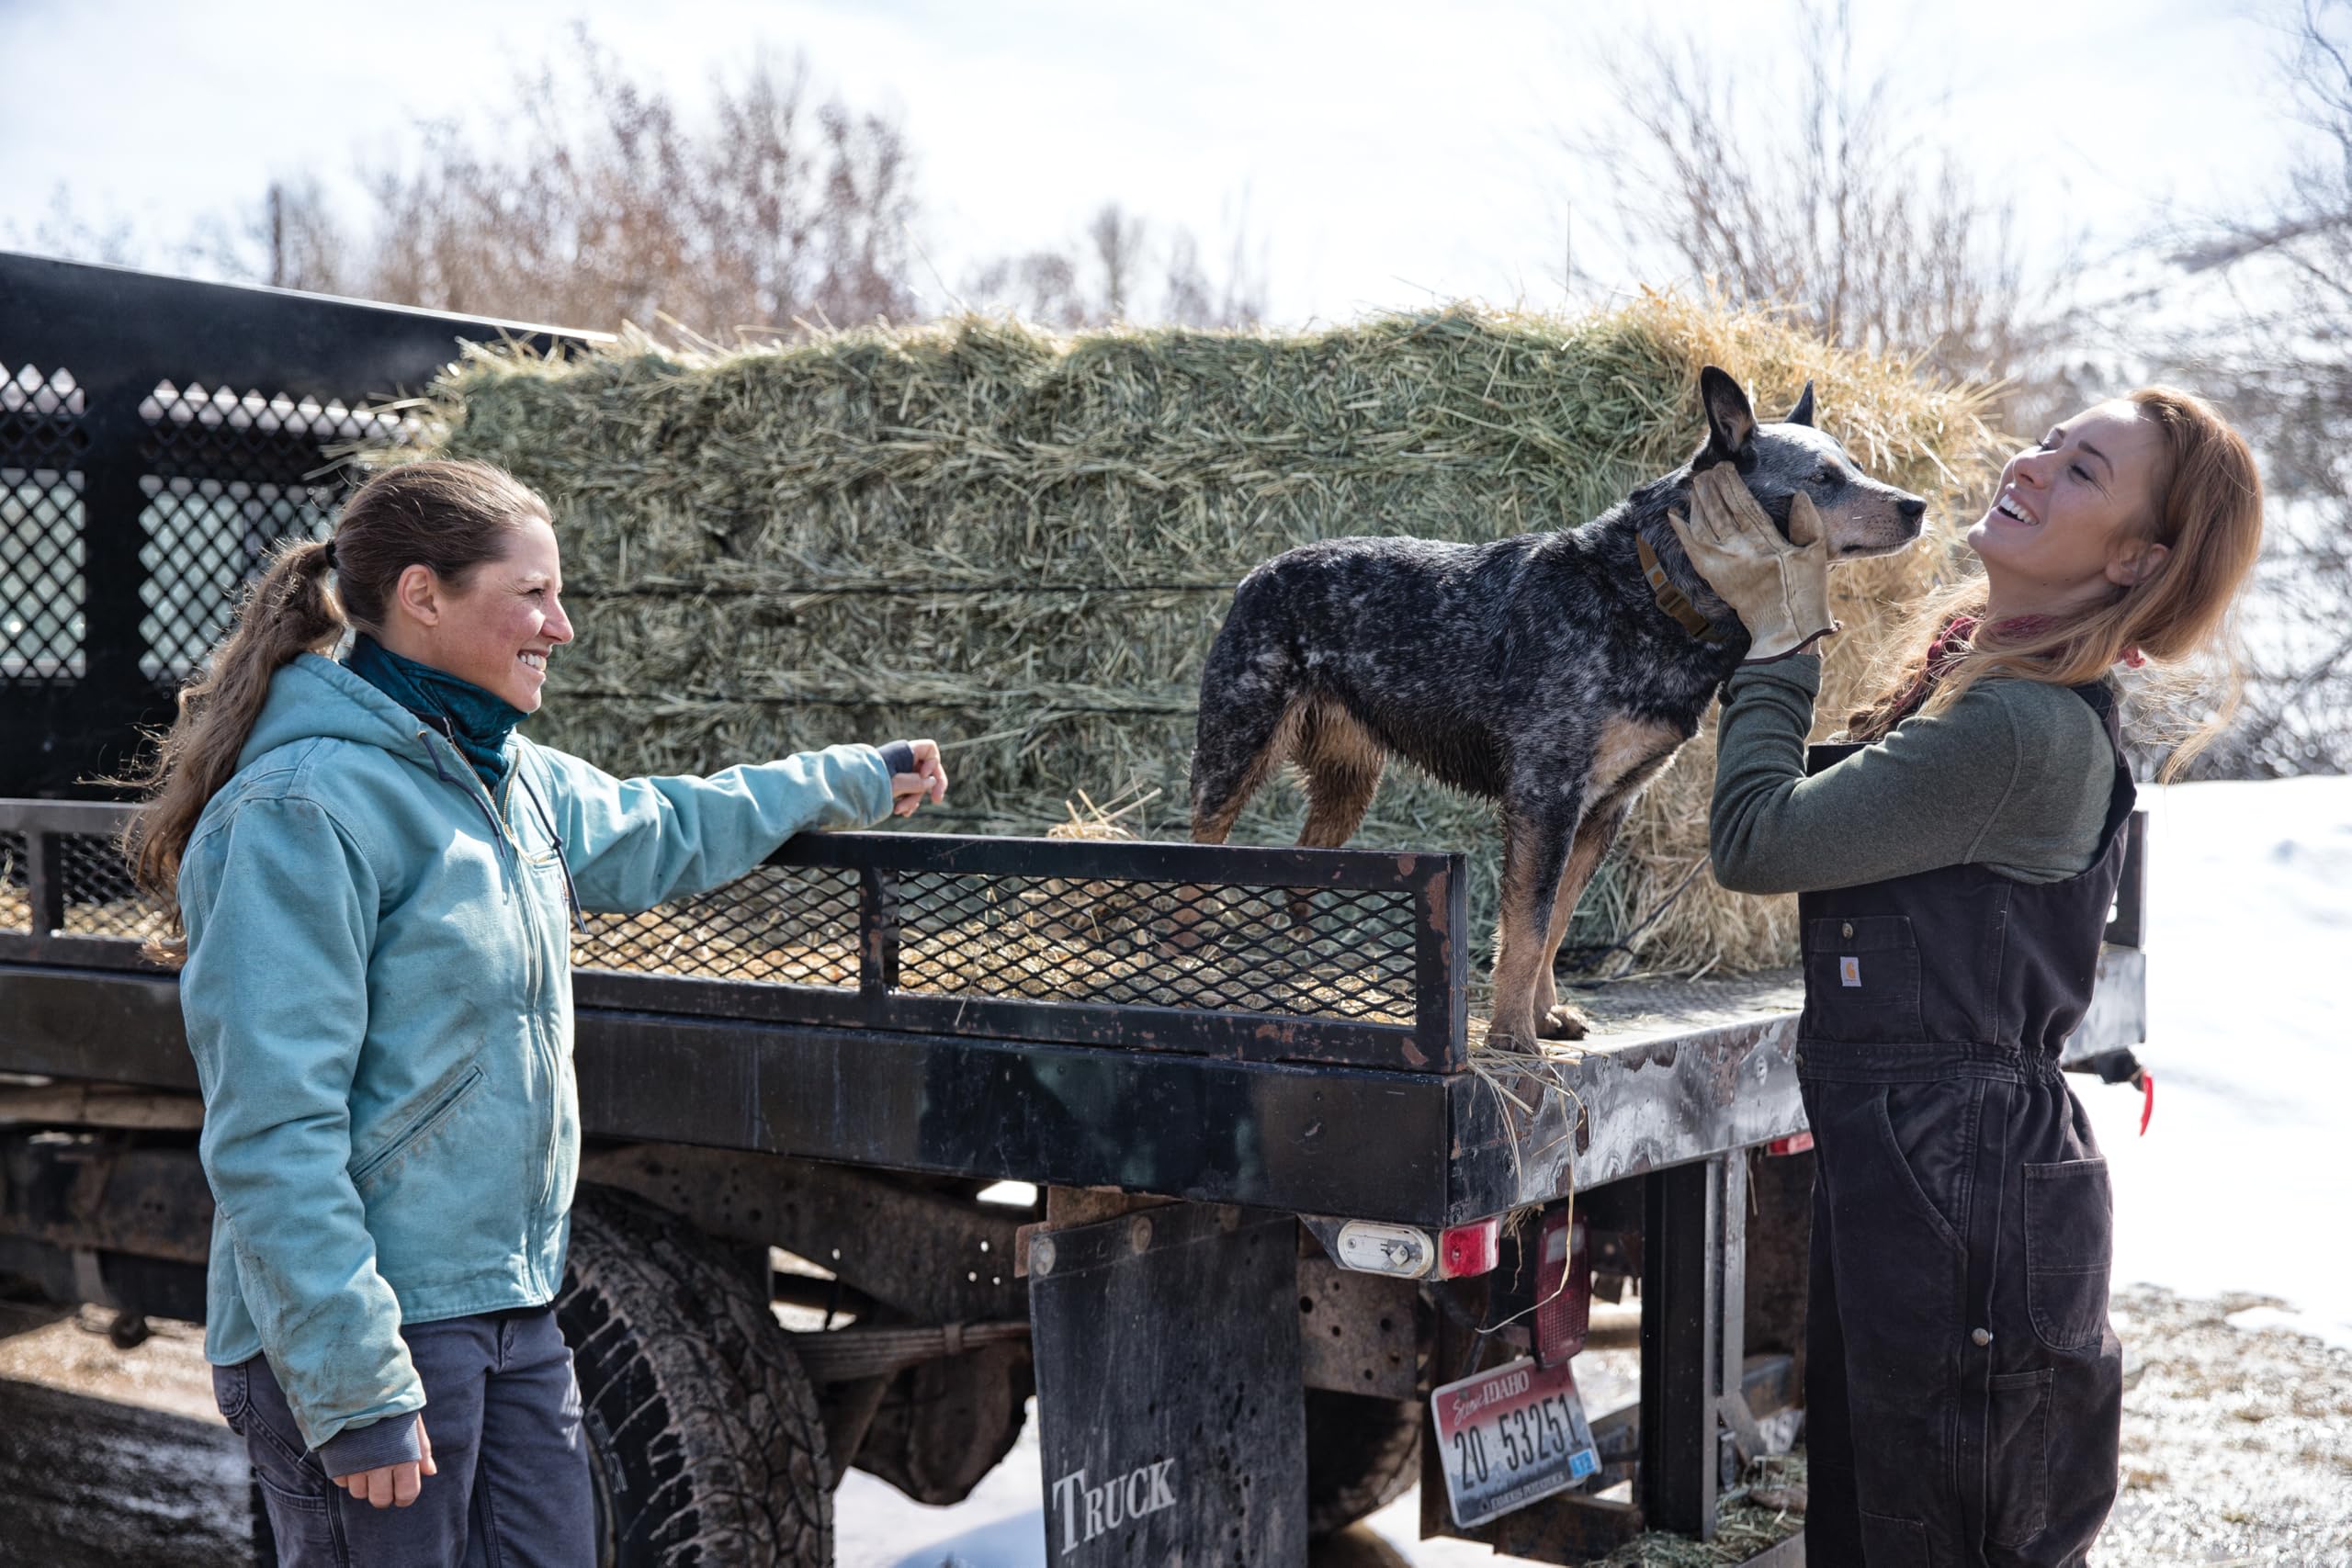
[{"x": 1955, "y": 865}]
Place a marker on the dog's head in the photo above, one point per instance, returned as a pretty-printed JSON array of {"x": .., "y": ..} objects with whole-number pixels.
[{"x": 1862, "y": 517}]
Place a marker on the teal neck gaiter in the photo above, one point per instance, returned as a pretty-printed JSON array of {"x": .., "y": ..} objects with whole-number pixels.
[{"x": 475, "y": 721}]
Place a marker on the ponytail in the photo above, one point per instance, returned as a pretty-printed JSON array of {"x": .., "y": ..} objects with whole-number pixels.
[
  {"x": 446, "y": 516},
  {"x": 291, "y": 611}
]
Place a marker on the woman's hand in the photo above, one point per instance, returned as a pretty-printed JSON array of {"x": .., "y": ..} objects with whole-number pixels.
[
  {"x": 1779, "y": 588},
  {"x": 393, "y": 1485},
  {"x": 928, "y": 782}
]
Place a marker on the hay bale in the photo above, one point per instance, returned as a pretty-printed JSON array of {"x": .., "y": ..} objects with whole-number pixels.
[{"x": 1023, "y": 544}]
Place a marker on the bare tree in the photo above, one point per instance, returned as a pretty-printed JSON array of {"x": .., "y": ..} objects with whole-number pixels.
[
  {"x": 1789, "y": 178},
  {"x": 1101, "y": 279},
  {"x": 593, "y": 200},
  {"x": 2268, "y": 338},
  {"x": 64, "y": 230},
  {"x": 1117, "y": 241}
]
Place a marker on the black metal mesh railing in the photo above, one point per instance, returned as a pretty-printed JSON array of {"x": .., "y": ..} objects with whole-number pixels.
[
  {"x": 781, "y": 925},
  {"x": 1334, "y": 956},
  {"x": 100, "y": 899},
  {"x": 1320, "y": 952},
  {"x": 1281, "y": 954},
  {"x": 42, "y": 441},
  {"x": 16, "y": 883},
  {"x": 230, "y": 474}
]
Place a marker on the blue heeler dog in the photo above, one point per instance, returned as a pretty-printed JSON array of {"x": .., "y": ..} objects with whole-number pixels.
[{"x": 1553, "y": 673}]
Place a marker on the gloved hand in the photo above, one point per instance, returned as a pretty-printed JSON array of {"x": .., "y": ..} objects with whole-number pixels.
[{"x": 1779, "y": 588}]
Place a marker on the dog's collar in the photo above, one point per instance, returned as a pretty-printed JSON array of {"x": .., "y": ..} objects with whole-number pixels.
[{"x": 1673, "y": 600}]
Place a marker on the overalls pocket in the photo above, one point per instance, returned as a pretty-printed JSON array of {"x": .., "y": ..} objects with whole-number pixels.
[
  {"x": 2017, "y": 1461},
  {"x": 1926, "y": 1132},
  {"x": 1861, "y": 980},
  {"x": 2069, "y": 1247}
]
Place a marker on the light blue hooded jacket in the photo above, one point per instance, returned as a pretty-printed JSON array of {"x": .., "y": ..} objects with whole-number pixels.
[{"x": 378, "y": 994}]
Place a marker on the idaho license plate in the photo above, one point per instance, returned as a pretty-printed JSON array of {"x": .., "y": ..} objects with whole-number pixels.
[{"x": 1511, "y": 1436}]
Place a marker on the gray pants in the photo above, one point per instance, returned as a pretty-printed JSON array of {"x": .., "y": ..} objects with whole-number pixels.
[{"x": 503, "y": 1413}]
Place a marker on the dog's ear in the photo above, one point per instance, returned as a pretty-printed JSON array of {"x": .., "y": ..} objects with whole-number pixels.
[
  {"x": 1731, "y": 422},
  {"x": 1803, "y": 413}
]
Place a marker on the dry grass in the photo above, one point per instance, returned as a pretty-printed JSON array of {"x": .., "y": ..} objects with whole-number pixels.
[{"x": 1023, "y": 544}]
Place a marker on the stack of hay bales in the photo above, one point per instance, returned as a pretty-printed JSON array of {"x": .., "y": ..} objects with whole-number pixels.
[{"x": 1023, "y": 544}]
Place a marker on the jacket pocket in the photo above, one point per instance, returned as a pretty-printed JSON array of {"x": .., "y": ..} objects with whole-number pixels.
[
  {"x": 1861, "y": 979},
  {"x": 2069, "y": 1247},
  {"x": 437, "y": 1110},
  {"x": 2017, "y": 1442}
]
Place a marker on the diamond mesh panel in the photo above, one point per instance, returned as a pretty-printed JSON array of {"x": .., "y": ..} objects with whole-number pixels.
[
  {"x": 99, "y": 898},
  {"x": 1326, "y": 953},
  {"x": 41, "y": 441},
  {"x": 15, "y": 893},
  {"x": 205, "y": 539},
  {"x": 785, "y": 925},
  {"x": 230, "y": 474},
  {"x": 41, "y": 574}
]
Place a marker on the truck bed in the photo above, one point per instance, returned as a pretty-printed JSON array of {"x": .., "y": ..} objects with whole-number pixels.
[{"x": 1286, "y": 1029}]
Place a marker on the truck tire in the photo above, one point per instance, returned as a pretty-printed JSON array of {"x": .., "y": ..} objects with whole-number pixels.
[
  {"x": 1363, "y": 1453},
  {"x": 704, "y": 1435}
]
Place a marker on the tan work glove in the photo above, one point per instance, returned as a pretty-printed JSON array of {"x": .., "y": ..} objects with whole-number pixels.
[{"x": 1779, "y": 588}]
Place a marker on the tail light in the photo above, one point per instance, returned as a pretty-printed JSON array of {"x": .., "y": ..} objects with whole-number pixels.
[
  {"x": 1563, "y": 1289},
  {"x": 1469, "y": 1249}
]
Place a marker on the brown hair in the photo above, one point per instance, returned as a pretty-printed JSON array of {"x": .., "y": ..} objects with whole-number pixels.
[
  {"x": 451, "y": 516},
  {"x": 2207, "y": 516}
]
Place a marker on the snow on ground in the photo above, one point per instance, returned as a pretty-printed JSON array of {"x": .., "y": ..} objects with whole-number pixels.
[
  {"x": 2242, "y": 1182},
  {"x": 2238, "y": 1187}
]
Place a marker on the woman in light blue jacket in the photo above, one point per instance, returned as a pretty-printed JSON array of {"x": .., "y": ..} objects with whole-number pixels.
[{"x": 375, "y": 878}]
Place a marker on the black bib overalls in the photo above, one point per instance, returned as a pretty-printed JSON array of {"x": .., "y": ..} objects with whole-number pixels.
[{"x": 1963, "y": 1389}]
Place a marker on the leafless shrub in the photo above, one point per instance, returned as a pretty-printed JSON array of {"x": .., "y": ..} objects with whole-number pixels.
[
  {"x": 1101, "y": 279},
  {"x": 1797, "y": 178},
  {"x": 2268, "y": 338},
  {"x": 594, "y": 199}
]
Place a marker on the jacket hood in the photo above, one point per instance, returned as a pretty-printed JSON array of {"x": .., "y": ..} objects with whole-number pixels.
[{"x": 314, "y": 698}]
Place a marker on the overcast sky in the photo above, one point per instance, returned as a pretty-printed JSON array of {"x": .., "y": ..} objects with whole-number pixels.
[{"x": 1386, "y": 154}]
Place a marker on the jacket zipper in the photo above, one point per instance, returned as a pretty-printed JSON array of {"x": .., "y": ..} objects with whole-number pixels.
[{"x": 511, "y": 854}]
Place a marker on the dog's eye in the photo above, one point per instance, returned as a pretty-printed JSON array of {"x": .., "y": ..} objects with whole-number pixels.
[{"x": 1827, "y": 475}]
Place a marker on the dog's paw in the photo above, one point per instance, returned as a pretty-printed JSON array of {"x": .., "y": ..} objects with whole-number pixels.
[
  {"x": 1561, "y": 1023},
  {"x": 1517, "y": 1034}
]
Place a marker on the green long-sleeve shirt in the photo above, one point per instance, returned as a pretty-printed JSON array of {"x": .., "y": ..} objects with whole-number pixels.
[{"x": 2014, "y": 776}]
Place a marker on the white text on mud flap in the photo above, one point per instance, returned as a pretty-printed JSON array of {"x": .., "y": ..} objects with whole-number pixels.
[{"x": 1113, "y": 1505}]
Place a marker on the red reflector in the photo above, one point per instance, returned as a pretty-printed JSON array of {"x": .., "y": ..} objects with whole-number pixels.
[
  {"x": 1794, "y": 1144},
  {"x": 1469, "y": 1249},
  {"x": 1563, "y": 1291}
]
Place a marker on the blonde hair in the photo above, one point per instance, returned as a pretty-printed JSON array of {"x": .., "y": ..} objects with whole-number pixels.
[
  {"x": 451, "y": 516},
  {"x": 2208, "y": 515}
]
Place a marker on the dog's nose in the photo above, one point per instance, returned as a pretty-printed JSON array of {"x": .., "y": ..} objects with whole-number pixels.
[{"x": 1912, "y": 508}]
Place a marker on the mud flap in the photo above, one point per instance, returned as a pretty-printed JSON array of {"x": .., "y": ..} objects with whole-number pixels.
[{"x": 1170, "y": 1411}]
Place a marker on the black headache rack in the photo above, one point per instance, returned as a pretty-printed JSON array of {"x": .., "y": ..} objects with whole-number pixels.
[
  {"x": 1282, "y": 1028},
  {"x": 156, "y": 436}
]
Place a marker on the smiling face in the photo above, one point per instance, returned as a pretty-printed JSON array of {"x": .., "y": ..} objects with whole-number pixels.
[
  {"x": 2071, "y": 517},
  {"x": 497, "y": 625}
]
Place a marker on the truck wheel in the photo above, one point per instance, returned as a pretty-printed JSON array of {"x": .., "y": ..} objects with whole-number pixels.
[
  {"x": 1363, "y": 1453},
  {"x": 703, "y": 1431}
]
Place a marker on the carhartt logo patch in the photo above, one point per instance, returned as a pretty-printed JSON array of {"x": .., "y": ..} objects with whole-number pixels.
[{"x": 1850, "y": 972}]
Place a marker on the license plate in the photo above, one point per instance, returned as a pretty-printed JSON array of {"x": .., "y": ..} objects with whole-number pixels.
[{"x": 1511, "y": 1436}]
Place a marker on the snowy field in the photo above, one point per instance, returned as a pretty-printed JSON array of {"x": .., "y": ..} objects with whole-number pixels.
[{"x": 2238, "y": 1187}]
